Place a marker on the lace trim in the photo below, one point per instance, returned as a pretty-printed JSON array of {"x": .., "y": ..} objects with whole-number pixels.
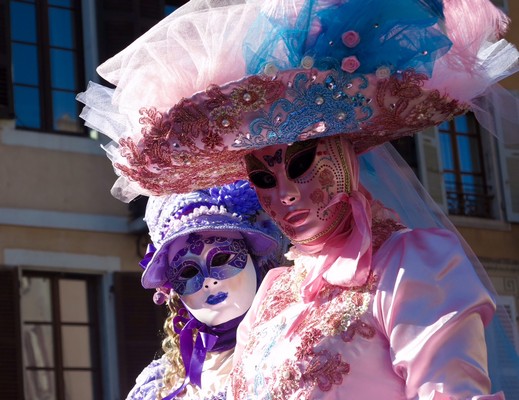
[
  {"x": 381, "y": 231},
  {"x": 201, "y": 141},
  {"x": 339, "y": 313}
]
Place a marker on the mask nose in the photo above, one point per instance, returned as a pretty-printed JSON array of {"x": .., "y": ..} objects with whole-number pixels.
[
  {"x": 208, "y": 283},
  {"x": 288, "y": 191},
  {"x": 288, "y": 200}
]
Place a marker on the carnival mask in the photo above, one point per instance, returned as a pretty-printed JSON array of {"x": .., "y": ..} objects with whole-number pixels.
[
  {"x": 296, "y": 185},
  {"x": 214, "y": 276}
]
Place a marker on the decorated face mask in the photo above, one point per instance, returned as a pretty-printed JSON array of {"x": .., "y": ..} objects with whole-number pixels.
[
  {"x": 214, "y": 276},
  {"x": 296, "y": 185}
]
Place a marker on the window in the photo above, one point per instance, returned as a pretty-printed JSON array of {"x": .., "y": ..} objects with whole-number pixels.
[
  {"x": 463, "y": 170},
  {"x": 501, "y": 338},
  {"x": 60, "y": 336},
  {"x": 45, "y": 41}
]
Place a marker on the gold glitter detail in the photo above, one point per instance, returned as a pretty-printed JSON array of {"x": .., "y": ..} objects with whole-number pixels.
[{"x": 344, "y": 206}]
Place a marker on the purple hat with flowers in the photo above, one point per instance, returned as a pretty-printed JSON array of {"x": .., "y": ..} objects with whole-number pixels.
[{"x": 223, "y": 210}]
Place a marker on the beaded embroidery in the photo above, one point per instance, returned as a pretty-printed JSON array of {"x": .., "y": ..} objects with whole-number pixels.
[
  {"x": 339, "y": 312},
  {"x": 201, "y": 142}
]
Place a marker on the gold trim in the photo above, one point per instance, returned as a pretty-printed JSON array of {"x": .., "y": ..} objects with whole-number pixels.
[{"x": 347, "y": 182}]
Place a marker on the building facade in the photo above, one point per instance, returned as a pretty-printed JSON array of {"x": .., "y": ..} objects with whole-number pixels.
[{"x": 75, "y": 322}]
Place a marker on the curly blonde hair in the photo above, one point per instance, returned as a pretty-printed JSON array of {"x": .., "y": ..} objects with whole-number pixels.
[{"x": 171, "y": 347}]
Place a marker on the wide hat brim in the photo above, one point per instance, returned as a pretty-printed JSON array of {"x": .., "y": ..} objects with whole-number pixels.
[
  {"x": 258, "y": 242},
  {"x": 202, "y": 140}
]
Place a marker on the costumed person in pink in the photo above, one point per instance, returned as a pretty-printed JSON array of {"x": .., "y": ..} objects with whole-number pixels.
[
  {"x": 211, "y": 248},
  {"x": 385, "y": 300}
]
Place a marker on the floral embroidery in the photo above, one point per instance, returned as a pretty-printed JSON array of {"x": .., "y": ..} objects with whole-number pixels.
[
  {"x": 326, "y": 178},
  {"x": 308, "y": 340},
  {"x": 326, "y": 370},
  {"x": 317, "y": 196},
  {"x": 289, "y": 377},
  {"x": 192, "y": 133},
  {"x": 311, "y": 108},
  {"x": 239, "y": 384},
  {"x": 281, "y": 296},
  {"x": 359, "y": 327},
  {"x": 338, "y": 313},
  {"x": 382, "y": 230},
  {"x": 404, "y": 108},
  {"x": 161, "y": 169},
  {"x": 201, "y": 141}
]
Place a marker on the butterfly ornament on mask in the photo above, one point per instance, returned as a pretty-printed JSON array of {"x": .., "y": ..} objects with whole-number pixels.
[{"x": 271, "y": 160}]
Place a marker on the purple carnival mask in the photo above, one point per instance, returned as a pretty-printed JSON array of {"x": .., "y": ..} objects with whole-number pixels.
[
  {"x": 223, "y": 259},
  {"x": 214, "y": 276}
]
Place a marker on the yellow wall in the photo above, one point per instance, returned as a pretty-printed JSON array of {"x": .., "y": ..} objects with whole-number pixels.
[
  {"x": 64, "y": 181},
  {"x": 37, "y": 178},
  {"x": 69, "y": 241},
  {"x": 494, "y": 244},
  {"x": 513, "y": 37}
]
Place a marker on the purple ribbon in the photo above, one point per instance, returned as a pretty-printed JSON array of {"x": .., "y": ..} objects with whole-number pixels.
[
  {"x": 217, "y": 338},
  {"x": 150, "y": 251}
]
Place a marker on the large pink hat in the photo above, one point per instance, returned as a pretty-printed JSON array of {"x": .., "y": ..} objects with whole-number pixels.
[{"x": 213, "y": 82}]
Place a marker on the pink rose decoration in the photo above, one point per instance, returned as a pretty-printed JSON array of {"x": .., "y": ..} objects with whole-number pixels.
[
  {"x": 350, "y": 38},
  {"x": 350, "y": 64},
  {"x": 317, "y": 196},
  {"x": 326, "y": 178}
]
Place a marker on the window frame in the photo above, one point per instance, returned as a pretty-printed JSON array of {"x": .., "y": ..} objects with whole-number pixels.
[
  {"x": 430, "y": 173},
  {"x": 483, "y": 201},
  {"x": 44, "y": 73},
  {"x": 93, "y": 292}
]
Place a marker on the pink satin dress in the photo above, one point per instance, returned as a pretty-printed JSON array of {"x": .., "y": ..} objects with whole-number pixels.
[{"x": 414, "y": 330}]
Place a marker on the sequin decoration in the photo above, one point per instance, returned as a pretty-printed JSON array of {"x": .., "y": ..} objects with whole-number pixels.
[
  {"x": 201, "y": 141},
  {"x": 312, "y": 108},
  {"x": 339, "y": 313},
  {"x": 325, "y": 370},
  {"x": 183, "y": 149}
]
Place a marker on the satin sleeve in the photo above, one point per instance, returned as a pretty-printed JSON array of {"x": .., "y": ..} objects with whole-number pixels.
[{"x": 433, "y": 307}]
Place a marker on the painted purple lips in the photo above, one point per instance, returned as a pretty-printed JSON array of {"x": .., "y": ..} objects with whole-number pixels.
[{"x": 216, "y": 298}]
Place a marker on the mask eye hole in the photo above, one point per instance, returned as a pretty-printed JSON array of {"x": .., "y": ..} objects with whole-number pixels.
[
  {"x": 262, "y": 179},
  {"x": 301, "y": 162},
  {"x": 220, "y": 259},
  {"x": 188, "y": 272}
]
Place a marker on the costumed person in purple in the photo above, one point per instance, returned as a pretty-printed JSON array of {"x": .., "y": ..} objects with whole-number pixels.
[
  {"x": 385, "y": 300},
  {"x": 210, "y": 250}
]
